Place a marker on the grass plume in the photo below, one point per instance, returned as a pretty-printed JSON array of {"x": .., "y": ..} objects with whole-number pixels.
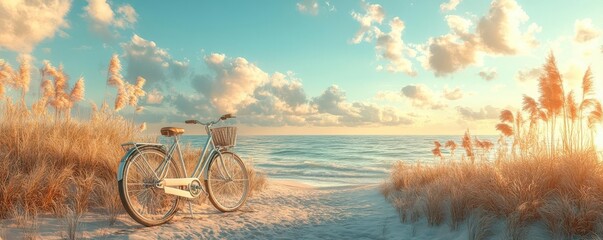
[
  {"x": 541, "y": 179},
  {"x": 66, "y": 168}
]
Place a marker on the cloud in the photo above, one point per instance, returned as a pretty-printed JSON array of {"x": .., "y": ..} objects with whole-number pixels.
[
  {"x": 447, "y": 54},
  {"x": 528, "y": 74},
  {"x": 154, "y": 97},
  {"x": 333, "y": 102},
  {"x": 488, "y": 74},
  {"x": 308, "y": 6},
  {"x": 453, "y": 94},
  {"x": 282, "y": 97},
  {"x": 459, "y": 26},
  {"x": 374, "y": 13},
  {"x": 127, "y": 16},
  {"x": 500, "y": 33},
  {"x": 421, "y": 96},
  {"x": 487, "y": 112},
  {"x": 497, "y": 33},
  {"x": 100, "y": 12},
  {"x": 144, "y": 58},
  {"x": 102, "y": 17},
  {"x": 391, "y": 47},
  {"x": 26, "y": 23},
  {"x": 193, "y": 106},
  {"x": 389, "y": 96},
  {"x": 279, "y": 99},
  {"x": 449, "y": 6},
  {"x": 234, "y": 83},
  {"x": 584, "y": 30}
]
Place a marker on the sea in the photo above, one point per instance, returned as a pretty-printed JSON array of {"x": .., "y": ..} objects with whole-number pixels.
[{"x": 326, "y": 161}]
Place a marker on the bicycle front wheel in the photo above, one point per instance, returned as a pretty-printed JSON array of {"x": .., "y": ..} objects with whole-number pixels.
[
  {"x": 227, "y": 182},
  {"x": 142, "y": 199}
]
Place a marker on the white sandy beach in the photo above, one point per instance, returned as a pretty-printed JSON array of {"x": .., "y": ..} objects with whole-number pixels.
[{"x": 284, "y": 210}]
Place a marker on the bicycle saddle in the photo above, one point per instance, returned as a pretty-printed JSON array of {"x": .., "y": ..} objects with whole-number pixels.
[{"x": 171, "y": 131}]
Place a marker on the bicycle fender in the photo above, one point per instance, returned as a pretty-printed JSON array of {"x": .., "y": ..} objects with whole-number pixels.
[
  {"x": 212, "y": 154},
  {"x": 138, "y": 146}
]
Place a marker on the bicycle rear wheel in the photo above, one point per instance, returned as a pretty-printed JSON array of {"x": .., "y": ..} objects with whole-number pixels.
[
  {"x": 227, "y": 182},
  {"x": 140, "y": 196}
]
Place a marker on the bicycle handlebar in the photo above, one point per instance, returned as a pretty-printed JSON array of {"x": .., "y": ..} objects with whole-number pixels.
[{"x": 223, "y": 117}]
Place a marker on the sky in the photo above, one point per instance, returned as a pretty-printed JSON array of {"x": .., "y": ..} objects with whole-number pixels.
[{"x": 311, "y": 66}]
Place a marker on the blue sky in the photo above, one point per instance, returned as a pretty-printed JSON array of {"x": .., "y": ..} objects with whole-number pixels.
[{"x": 297, "y": 66}]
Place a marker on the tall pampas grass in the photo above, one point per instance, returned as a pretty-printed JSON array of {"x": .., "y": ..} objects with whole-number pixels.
[
  {"x": 24, "y": 78},
  {"x": 127, "y": 94},
  {"x": 55, "y": 94},
  {"x": 451, "y": 145},
  {"x": 77, "y": 93},
  {"x": 121, "y": 99},
  {"x": 557, "y": 183},
  {"x": 6, "y": 75},
  {"x": 66, "y": 168},
  {"x": 115, "y": 78}
]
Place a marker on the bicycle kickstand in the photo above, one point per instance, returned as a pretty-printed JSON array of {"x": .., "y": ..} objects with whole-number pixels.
[{"x": 190, "y": 209}]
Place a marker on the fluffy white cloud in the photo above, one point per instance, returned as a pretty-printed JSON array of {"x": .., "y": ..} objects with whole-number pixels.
[
  {"x": 308, "y": 6},
  {"x": 102, "y": 17},
  {"x": 584, "y": 30},
  {"x": 235, "y": 82},
  {"x": 278, "y": 99},
  {"x": 448, "y": 54},
  {"x": 453, "y": 94},
  {"x": 23, "y": 24},
  {"x": 459, "y": 25},
  {"x": 99, "y": 11},
  {"x": 488, "y": 74},
  {"x": 282, "y": 99},
  {"x": 144, "y": 58},
  {"x": 373, "y": 13},
  {"x": 154, "y": 97},
  {"x": 192, "y": 106},
  {"x": 127, "y": 16},
  {"x": 333, "y": 102},
  {"x": 392, "y": 96},
  {"x": 391, "y": 47},
  {"x": 421, "y": 96},
  {"x": 529, "y": 74},
  {"x": 450, "y": 5},
  {"x": 487, "y": 112},
  {"x": 497, "y": 33}
]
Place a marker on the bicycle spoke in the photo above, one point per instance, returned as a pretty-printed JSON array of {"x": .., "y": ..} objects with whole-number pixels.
[
  {"x": 150, "y": 205},
  {"x": 142, "y": 169}
]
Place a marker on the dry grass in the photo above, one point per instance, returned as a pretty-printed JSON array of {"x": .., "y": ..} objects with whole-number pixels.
[
  {"x": 557, "y": 181},
  {"x": 51, "y": 163},
  {"x": 43, "y": 161},
  {"x": 46, "y": 160},
  {"x": 565, "y": 193}
]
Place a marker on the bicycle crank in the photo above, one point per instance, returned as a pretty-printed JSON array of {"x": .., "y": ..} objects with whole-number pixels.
[{"x": 170, "y": 186}]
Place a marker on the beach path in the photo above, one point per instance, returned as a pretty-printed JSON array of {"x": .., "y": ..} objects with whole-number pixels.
[{"x": 284, "y": 210}]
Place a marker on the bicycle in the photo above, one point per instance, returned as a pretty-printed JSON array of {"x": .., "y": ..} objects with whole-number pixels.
[{"x": 151, "y": 184}]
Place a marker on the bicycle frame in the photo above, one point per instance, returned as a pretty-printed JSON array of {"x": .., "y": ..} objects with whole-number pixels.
[
  {"x": 202, "y": 162},
  {"x": 200, "y": 168}
]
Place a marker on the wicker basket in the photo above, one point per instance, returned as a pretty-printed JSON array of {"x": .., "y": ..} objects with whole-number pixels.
[{"x": 224, "y": 136}]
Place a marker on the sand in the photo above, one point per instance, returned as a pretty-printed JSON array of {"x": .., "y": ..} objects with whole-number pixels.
[{"x": 284, "y": 210}]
